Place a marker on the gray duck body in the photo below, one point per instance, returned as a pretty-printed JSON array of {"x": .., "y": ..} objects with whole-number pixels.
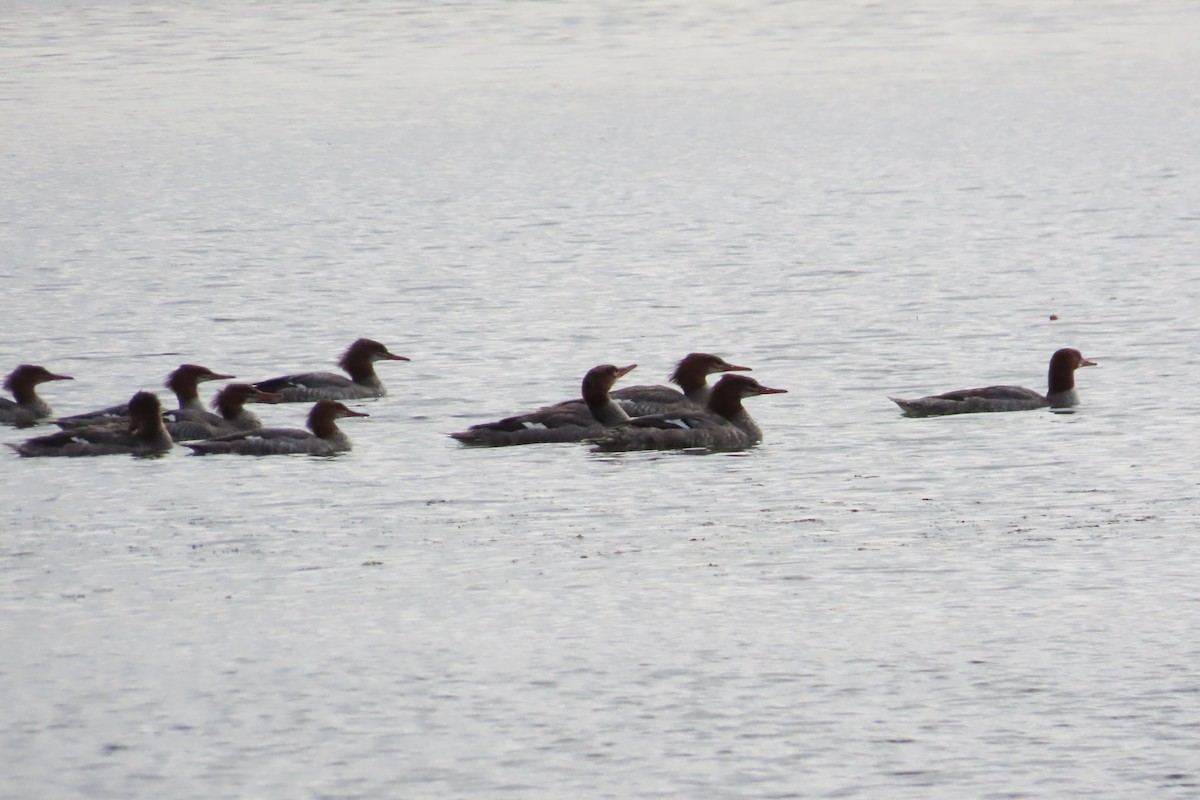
[{"x": 570, "y": 421}]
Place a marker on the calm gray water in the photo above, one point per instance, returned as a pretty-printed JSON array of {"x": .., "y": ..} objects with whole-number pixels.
[{"x": 856, "y": 199}]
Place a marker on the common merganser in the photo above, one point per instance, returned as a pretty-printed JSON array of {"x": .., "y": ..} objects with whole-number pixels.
[
  {"x": 326, "y": 438},
  {"x": 358, "y": 360},
  {"x": 232, "y": 415},
  {"x": 691, "y": 375},
  {"x": 144, "y": 436},
  {"x": 570, "y": 421},
  {"x": 29, "y": 409},
  {"x": 720, "y": 426},
  {"x": 1061, "y": 393},
  {"x": 184, "y": 381}
]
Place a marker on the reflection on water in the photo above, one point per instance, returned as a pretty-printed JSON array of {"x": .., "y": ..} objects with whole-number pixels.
[{"x": 856, "y": 201}]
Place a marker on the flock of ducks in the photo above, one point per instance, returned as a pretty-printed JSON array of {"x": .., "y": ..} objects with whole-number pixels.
[
  {"x": 141, "y": 427},
  {"x": 644, "y": 417}
]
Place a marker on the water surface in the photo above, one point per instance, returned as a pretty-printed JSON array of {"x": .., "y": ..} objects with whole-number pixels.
[{"x": 854, "y": 199}]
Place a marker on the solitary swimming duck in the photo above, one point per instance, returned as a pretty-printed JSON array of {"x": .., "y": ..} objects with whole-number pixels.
[
  {"x": 184, "y": 381},
  {"x": 724, "y": 424},
  {"x": 358, "y": 361},
  {"x": 570, "y": 421},
  {"x": 26, "y": 408},
  {"x": 143, "y": 436},
  {"x": 232, "y": 415},
  {"x": 1061, "y": 393},
  {"x": 691, "y": 375},
  {"x": 323, "y": 437}
]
